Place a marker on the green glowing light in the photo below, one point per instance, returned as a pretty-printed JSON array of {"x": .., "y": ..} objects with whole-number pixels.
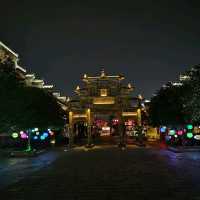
[
  {"x": 189, "y": 126},
  {"x": 172, "y": 132},
  {"x": 189, "y": 135},
  {"x": 15, "y": 135}
]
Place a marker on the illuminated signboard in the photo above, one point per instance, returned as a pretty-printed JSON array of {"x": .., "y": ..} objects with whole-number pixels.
[{"x": 103, "y": 100}]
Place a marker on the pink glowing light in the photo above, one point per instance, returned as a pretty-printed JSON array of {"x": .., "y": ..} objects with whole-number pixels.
[
  {"x": 24, "y": 136},
  {"x": 180, "y": 132}
]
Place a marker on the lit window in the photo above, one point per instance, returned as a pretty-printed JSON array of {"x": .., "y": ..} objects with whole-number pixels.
[{"x": 103, "y": 92}]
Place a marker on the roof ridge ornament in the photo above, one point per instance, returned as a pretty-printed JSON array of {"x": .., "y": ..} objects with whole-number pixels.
[{"x": 103, "y": 72}]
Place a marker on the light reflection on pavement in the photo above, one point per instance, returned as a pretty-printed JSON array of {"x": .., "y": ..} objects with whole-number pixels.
[
  {"x": 14, "y": 169},
  {"x": 185, "y": 164},
  {"x": 179, "y": 172}
]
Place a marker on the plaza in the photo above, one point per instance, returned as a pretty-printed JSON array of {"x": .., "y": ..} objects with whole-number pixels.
[{"x": 106, "y": 172}]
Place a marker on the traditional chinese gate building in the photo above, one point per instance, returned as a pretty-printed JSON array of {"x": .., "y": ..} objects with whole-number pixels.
[{"x": 104, "y": 104}]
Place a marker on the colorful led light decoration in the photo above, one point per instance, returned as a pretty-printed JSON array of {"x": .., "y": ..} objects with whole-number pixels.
[
  {"x": 35, "y": 137},
  {"x": 53, "y": 141},
  {"x": 37, "y": 133},
  {"x": 172, "y": 132},
  {"x": 15, "y": 135},
  {"x": 189, "y": 126},
  {"x": 163, "y": 129},
  {"x": 197, "y": 137},
  {"x": 189, "y": 135},
  {"x": 45, "y": 134},
  {"x": 42, "y": 137},
  {"x": 24, "y": 136},
  {"x": 180, "y": 132}
]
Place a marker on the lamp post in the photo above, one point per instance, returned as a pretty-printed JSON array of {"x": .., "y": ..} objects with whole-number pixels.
[
  {"x": 121, "y": 126},
  {"x": 89, "y": 143},
  {"x": 29, "y": 148},
  {"x": 65, "y": 129},
  {"x": 140, "y": 127},
  {"x": 70, "y": 129}
]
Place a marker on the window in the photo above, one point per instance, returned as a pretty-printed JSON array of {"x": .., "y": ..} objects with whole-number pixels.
[{"x": 103, "y": 92}]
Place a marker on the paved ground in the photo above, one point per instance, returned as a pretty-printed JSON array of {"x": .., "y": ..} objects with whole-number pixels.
[
  {"x": 109, "y": 173},
  {"x": 14, "y": 169}
]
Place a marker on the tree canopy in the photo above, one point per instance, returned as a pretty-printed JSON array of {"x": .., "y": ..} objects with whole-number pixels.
[
  {"x": 166, "y": 106},
  {"x": 24, "y": 107},
  {"x": 192, "y": 99},
  {"x": 177, "y": 104}
]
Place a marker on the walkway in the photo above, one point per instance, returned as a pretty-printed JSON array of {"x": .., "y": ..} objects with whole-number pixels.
[{"x": 109, "y": 173}]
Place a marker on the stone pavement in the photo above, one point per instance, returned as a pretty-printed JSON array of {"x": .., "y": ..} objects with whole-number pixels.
[{"x": 108, "y": 173}]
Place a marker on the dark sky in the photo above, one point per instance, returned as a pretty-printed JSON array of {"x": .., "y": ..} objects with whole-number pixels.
[{"x": 150, "y": 42}]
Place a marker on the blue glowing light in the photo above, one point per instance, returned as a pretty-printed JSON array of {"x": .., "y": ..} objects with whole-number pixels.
[
  {"x": 35, "y": 137},
  {"x": 163, "y": 129},
  {"x": 45, "y": 134}
]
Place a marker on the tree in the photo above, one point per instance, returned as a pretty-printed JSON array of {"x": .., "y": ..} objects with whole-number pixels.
[
  {"x": 24, "y": 107},
  {"x": 192, "y": 99},
  {"x": 166, "y": 107},
  {"x": 174, "y": 105}
]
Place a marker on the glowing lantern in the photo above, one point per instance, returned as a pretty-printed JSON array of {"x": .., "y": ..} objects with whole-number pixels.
[
  {"x": 35, "y": 137},
  {"x": 15, "y": 135},
  {"x": 42, "y": 137},
  {"x": 45, "y": 134},
  {"x": 189, "y": 135},
  {"x": 53, "y": 141},
  {"x": 172, "y": 132},
  {"x": 189, "y": 126},
  {"x": 37, "y": 133},
  {"x": 24, "y": 136},
  {"x": 36, "y": 129},
  {"x": 180, "y": 132},
  {"x": 197, "y": 137},
  {"x": 163, "y": 129}
]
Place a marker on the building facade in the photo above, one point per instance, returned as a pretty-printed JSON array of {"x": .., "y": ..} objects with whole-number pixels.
[{"x": 28, "y": 79}]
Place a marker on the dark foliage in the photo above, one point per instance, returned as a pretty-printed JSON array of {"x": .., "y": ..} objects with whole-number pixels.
[
  {"x": 166, "y": 106},
  {"x": 176, "y": 105},
  {"x": 24, "y": 107}
]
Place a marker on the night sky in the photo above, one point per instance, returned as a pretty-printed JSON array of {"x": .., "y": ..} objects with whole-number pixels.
[{"x": 150, "y": 42}]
